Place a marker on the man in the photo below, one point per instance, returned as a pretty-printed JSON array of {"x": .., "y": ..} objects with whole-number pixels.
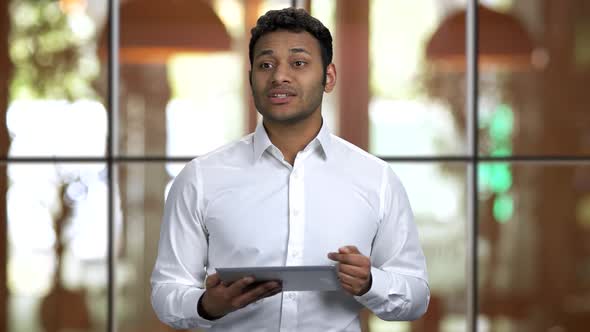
[{"x": 289, "y": 194}]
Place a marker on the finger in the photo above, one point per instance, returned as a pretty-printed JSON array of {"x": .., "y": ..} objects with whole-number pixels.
[
  {"x": 348, "y": 288},
  {"x": 349, "y": 280},
  {"x": 255, "y": 294},
  {"x": 355, "y": 271},
  {"x": 264, "y": 288},
  {"x": 272, "y": 292},
  {"x": 237, "y": 288},
  {"x": 350, "y": 259},
  {"x": 353, "y": 284},
  {"x": 333, "y": 256},
  {"x": 349, "y": 250},
  {"x": 212, "y": 280}
]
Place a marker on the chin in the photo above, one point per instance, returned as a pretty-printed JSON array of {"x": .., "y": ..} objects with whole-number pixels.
[
  {"x": 282, "y": 119},
  {"x": 285, "y": 116}
]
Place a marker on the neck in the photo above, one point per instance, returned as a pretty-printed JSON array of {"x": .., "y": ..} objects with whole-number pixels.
[{"x": 290, "y": 138}]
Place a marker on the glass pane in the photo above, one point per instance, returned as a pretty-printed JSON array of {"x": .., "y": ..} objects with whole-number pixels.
[
  {"x": 534, "y": 264},
  {"x": 325, "y": 11},
  {"x": 143, "y": 187},
  {"x": 534, "y": 97},
  {"x": 183, "y": 91},
  {"x": 54, "y": 107},
  {"x": 57, "y": 244},
  {"x": 437, "y": 193},
  {"x": 176, "y": 60},
  {"x": 417, "y": 104}
]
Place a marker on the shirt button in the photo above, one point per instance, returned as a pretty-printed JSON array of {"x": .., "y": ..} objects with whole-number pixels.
[
  {"x": 295, "y": 175},
  {"x": 291, "y": 296},
  {"x": 295, "y": 212}
]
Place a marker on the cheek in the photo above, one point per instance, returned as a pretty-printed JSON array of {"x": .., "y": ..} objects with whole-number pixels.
[
  {"x": 315, "y": 90},
  {"x": 255, "y": 87},
  {"x": 257, "y": 83}
]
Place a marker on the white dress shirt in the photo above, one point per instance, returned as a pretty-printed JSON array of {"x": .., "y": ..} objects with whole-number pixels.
[{"x": 244, "y": 205}]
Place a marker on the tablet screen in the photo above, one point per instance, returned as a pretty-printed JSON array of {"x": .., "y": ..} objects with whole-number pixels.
[{"x": 293, "y": 278}]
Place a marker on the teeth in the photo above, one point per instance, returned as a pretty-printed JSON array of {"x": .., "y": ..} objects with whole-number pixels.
[{"x": 282, "y": 95}]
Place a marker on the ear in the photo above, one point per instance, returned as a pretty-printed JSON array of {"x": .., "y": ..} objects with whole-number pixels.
[
  {"x": 330, "y": 78},
  {"x": 250, "y": 77}
]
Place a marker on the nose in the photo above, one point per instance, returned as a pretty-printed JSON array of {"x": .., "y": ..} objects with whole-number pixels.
[{"x": 281, "y": 74}]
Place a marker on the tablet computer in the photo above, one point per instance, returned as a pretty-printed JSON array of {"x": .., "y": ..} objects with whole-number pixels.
[{"x": 294, "y": 278}]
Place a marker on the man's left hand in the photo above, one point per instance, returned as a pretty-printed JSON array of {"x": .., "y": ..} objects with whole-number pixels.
[{"x": 354, "y": 270}]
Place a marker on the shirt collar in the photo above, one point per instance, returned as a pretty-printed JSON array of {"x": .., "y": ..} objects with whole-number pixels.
[
  {"x": 262, "y": 141},
  {"x": 325, "y": 138}
]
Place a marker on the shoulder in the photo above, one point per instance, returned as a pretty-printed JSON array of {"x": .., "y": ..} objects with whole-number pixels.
[
  {"x": 349, "y": 152},
  {"x": 234, "y": 153},
  {"x": 368, "y": 167}
]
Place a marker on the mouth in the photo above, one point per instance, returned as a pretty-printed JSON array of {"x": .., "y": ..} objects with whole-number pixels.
[{"x": 280, "y": 96}]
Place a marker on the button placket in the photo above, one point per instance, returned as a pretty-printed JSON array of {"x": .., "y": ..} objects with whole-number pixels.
[
  {"x": 296, "y": 216},
  {"x": 295, "y": 241}
]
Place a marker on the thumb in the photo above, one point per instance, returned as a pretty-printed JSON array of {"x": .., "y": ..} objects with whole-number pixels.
[
  {"x": 212, "y": 280},
  {"x": 346, "y": 250}
]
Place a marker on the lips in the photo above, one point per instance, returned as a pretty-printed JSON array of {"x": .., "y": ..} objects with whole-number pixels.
[{"x": 281, "y": 96}]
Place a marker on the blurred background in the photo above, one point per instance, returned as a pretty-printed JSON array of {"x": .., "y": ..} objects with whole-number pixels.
[{"x": 401, "y": 95}]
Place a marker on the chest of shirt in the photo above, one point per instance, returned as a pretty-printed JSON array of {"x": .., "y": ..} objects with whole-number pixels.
[{"x": 309, "y": 212}]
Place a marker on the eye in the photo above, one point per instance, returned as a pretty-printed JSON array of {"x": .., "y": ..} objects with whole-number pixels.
[
  {"x": 266, "y": 65},
  {"x": 299, "y": 63}
]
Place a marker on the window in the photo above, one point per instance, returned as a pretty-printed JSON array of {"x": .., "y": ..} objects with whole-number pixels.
[{"x": 497, "y": 173}]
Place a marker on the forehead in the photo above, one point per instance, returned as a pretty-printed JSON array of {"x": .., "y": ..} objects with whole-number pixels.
[{"x": 283, "y": 40}]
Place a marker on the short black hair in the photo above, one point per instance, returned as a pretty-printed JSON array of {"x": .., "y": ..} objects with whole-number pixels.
[{"x": 294, "y": 20}]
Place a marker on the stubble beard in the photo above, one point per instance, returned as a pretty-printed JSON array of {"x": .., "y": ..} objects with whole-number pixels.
[{"x": 297, "y": 117}]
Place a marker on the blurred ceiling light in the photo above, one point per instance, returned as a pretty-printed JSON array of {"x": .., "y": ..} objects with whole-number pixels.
[
  {"x": 152, "y": 31},
  {"x": 231, "y": 13},
  {"x": 503, "y": 42},
  {"x": 72, "y": 6}
]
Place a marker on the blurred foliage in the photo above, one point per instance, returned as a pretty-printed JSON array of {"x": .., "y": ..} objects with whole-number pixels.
[{"x": 53, "y": 53}]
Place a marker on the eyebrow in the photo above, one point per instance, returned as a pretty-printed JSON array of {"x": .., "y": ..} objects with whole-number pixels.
[
  {"x": 299, "y": 50},
  {"x": 293, "y": 50}
]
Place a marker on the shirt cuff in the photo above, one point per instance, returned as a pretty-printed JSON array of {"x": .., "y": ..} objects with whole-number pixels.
[
  {"x": 189, "y": 308},
  {"x": 379, "y": 291}
]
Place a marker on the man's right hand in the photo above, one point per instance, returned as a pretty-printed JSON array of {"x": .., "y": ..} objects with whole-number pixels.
[{"x": 220, "y": 298}]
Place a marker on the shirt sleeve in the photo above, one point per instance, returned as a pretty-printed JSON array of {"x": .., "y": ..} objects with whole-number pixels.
[
  {"x": 399, "y": 289},
  {"x": 178, "y": 277}
]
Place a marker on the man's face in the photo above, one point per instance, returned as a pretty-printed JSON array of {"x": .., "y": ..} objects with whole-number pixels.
[{"x": 287, "y": 76}]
